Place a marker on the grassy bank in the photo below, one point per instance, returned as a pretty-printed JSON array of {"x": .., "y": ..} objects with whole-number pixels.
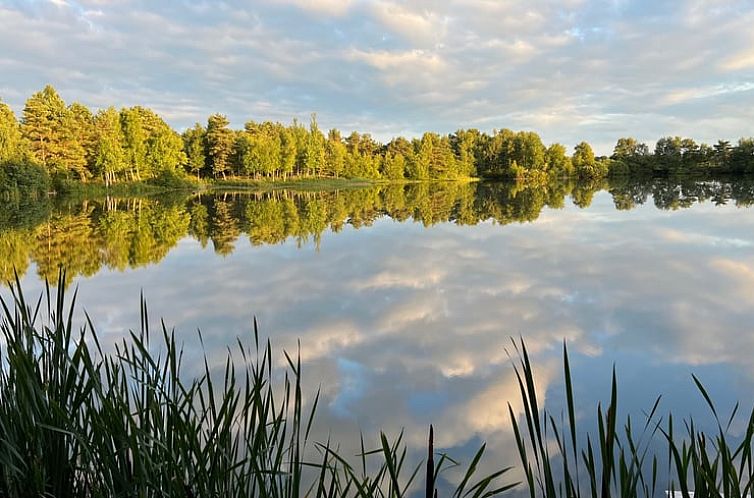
[
  {"x": 313, "y": 183},
  {"x": 183, "y": 183},
  {"x": 319, "y": 184},
  {"x": 78, "y": 422}
]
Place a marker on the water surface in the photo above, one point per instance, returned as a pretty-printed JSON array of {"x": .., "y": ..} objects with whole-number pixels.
[{"x": 405, "y": 298}]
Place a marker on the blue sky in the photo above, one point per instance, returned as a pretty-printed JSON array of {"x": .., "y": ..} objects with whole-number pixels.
[{"x": 568, "y": 69}]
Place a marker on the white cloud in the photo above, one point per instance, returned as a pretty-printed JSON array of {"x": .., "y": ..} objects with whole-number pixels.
[
  {"x": 323, "y": 7},
  {"x": 571, "y": 70}
]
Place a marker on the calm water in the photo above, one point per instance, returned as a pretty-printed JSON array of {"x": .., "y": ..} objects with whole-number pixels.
[{"x": 405, "y": 298}]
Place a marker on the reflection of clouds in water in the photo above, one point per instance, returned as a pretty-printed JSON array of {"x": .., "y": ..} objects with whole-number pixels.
[{"x": 402, "y": 326}]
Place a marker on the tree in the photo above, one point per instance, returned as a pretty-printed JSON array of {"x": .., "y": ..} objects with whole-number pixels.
[
  {"x": 496, "y": 153},
  {"x": 263, "y": 148},
  {"x": 443, "y": 162},
  {"x": 108, "y": 157},
  {"x": 335, "y": 154},
  {"x": 51, "y": 130},
  {"x": 628, "y": 148},
  {"x": 418, "y": 168},
  {"x": 288, "y": 151},
  {"x": 193, "y": 144},
  {"x": 722, "y": 153},
  {"x": 10, "y": 135},
  {"x": 219, "y": 144},
  {"x": 135, "y": 138},
  {"x": 394, "y": 166},
  {"x": 81, "y": 141},
  {"x": 742, "y": 157},
  {"x": 585, "y": 164},
  {"x": 42, "y": 119},
  {"x": 558, "y": 162},
  {"x": 164, "y": 151},
  {"x": 315, "y": 149},
  {"x": 464, "y": 144},
  {"x": 528, "y": 151}
]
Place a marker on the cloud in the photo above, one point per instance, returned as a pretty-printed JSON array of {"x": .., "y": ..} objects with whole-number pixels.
[
  {"x": 571, "y": 70},
  {"x": 421, "y": 26},
  {"x": 323, "y": 7},
  {"x": 741, "y": 60}
]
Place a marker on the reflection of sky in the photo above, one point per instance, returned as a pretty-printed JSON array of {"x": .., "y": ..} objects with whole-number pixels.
[{"x": 403, "y": 325}]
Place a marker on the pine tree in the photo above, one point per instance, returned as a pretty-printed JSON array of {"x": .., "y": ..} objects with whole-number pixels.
[{"x": 43, "y": 115}]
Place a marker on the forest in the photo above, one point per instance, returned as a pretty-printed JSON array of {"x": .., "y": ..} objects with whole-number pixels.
[
  {"x": 55, "y": 145},
  {"x": 120, "y": 233}
]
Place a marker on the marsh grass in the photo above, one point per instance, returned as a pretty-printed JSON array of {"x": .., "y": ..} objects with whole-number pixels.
[
  {"x": 626, "y": 459},
  {"x": 76, "y": 421}
]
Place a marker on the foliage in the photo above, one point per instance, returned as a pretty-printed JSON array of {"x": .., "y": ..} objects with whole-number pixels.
[
  {"x": 174, "y": 180},
  {"x": 135, "y": 144},
  {"x": 23, "y": 178}
]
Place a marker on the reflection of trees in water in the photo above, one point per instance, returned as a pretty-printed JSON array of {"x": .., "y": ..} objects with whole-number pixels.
[{"x": 126, "y": 233}]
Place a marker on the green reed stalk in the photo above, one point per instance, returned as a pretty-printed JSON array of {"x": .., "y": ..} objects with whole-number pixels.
[
  {"x": 78, "y": 422},
  {"x": 618, "y": 462}
]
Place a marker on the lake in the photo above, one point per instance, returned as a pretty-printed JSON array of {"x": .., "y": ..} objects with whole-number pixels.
[{"x": 405, "y": 298}]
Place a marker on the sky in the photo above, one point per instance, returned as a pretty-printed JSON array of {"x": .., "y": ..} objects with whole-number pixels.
[{"x": 571, "y": 70}]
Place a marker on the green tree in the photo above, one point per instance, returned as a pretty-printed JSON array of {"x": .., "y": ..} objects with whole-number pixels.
[
  {"x": 558, "y": 162},
  {"x": 394, "y": 166},
  {"x": 51, "y": 131},
  {"x": 10, "y": 135},
  {"x": 288, "y": 151},
  {"x": 585, "y": 164},
  {"x": 81, "y": 140},
  {"x": 464, "y": 144},
  {"x": 742, "y": 156},
  {"x": 418, "y": 168},
  {"x": 722, "y": 153},
  {"x": 193, "y": 144},
  {"x": 335, "y": 154},
  {"x": 220, "y": 141},
  {"x": 164, "y": 151},
  {"x": 263, "y": 148},
  {"x": 42, "y": 119},
  {"x": 528, "y": 152},
  {"x": 628, "y": 148},
  {"x": 108, "y": 157},
  {"x": 135, "y": 138},
  {"x": 315, "y": 149}
]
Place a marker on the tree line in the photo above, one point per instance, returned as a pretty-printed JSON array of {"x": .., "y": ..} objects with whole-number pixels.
[
  {"x": 131, "y": 232},
  {"x": 54, "y": 140}
]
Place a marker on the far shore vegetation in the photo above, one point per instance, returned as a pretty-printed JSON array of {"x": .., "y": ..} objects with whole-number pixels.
[{"x": 59, "y": 147}]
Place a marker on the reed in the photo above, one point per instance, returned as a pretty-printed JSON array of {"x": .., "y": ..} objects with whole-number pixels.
[
  {"x": 76, "y": 421},
  {"x": 625, "y": 459}
]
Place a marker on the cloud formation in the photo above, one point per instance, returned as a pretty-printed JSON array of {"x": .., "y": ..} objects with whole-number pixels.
[{"x": 572, "y": 70}]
